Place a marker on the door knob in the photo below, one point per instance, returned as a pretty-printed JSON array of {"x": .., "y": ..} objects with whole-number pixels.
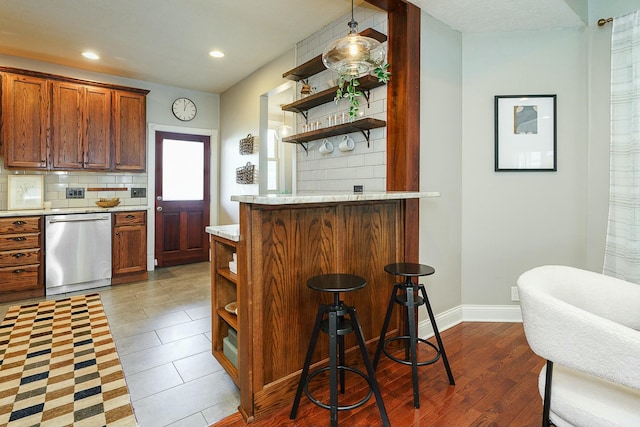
[
  {"x": 159, "y": 208},
  {"x": 159, "y": 198}
]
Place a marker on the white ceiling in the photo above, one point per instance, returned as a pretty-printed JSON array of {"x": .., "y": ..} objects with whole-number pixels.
[
  {"x": 167, "y": 41},
  {"x": 471, "y": 16}
]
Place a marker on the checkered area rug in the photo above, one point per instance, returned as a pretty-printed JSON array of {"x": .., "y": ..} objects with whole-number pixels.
[{"x": 60, "y": 367}]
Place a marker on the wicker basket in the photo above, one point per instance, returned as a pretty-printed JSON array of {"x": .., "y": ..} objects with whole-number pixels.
[
  {"x": 245, "y": 174},
  {"x": 246, "y": 145},
  {"x": 108, "y": 203}
]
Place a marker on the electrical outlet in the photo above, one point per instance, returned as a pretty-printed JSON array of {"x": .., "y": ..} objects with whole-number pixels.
[
  {"x": 138, "y": 193},
  {"x": 75, "y": 193},
  {"x": 514, "y": 294}
]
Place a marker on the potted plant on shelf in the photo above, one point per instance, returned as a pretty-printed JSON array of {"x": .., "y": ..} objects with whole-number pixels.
[{"x": 348, "y": 88}]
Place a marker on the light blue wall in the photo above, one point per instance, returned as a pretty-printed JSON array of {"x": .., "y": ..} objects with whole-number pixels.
[{"x": 610, "y": 8}]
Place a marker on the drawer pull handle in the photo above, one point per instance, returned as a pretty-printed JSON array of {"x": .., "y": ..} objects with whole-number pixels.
[
  {"x": 130, "y": 216},
  {"x": 19, "y": 239},
  {"x": 18, "y": 271},
  {"x": 19, "y": 222},
  {"x": 19, "y": 255}
]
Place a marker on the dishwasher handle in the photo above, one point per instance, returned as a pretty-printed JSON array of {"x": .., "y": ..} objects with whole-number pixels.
[{"x": 53, "y": 221}]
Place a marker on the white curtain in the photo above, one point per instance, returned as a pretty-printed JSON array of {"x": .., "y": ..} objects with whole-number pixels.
[{"x": 622, "y": 250}]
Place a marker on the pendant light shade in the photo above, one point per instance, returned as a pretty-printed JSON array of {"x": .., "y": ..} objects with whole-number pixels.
[
  {"x": 353, "y": 55},
  {"x": 284, "y": 130}
]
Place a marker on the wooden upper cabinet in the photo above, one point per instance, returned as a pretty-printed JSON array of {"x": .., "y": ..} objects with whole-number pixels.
[
  {"x": 66, "y": 126},
  {"x": 97, "y": 128},
  {"x": 129, "y": 120},
  {"x": 25, "y": 121},
  {"x": 81, "y": 127},
  {"x": 56, "y": 122}
]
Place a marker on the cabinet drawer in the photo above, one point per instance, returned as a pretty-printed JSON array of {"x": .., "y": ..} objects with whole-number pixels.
[
  {"x": 10, "y": 242},
  {"x": 19, "y": 278},
  {"x": 19, "y": 257},
  {"x": 14, "y": 225},
  {"x": 129, "y": 218}
]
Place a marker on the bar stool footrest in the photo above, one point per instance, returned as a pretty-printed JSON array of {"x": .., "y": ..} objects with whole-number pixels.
[
  {"x": 339, "y": 368},
  {"x": 402, "y": 300},
  {"x": 408, "y": 362}
]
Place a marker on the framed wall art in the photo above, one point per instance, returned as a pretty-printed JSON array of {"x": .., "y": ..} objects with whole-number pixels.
[
  {"x": 25, "y": 192},
  {"x": 525, "y": 133}
]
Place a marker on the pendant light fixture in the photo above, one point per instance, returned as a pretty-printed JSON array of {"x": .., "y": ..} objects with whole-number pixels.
[
  {"x": 353, "y": 55},
  {"x": 284, "y": 130}
]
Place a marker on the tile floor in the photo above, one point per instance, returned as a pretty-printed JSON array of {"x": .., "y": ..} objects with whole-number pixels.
[{"x": 162, "y": 329}]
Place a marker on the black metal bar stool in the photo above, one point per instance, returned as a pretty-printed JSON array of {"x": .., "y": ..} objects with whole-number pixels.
[
  {"x": 337, "y": 326},
  {"x": 411, "y": 300}
]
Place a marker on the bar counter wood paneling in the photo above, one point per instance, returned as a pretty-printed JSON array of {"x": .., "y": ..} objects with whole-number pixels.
[{"x": 283, "y": 242}]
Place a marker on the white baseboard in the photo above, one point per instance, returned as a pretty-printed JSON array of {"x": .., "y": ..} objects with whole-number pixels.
[{"x": 471, "y": 313}]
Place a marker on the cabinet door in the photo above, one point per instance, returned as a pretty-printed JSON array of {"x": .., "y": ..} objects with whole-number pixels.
[
  {"x": 81, "y": 128},
  {"x": 129, "y": 249},
  {"x": 25, "y": 117},
  {"x": 97, "y": 128},
  {"x": 66, "y": 127},
  {"x": 129, "y": 131}
]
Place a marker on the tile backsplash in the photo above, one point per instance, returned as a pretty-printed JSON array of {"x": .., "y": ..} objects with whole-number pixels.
[
  {"x": 57, "y": 182},
  {"x": 365, "y": 165}
]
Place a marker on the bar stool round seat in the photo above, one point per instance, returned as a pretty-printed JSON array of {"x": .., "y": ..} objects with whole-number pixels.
[
  {"x": 411, "y": 295},
  {"x": 336, "y": 325}
]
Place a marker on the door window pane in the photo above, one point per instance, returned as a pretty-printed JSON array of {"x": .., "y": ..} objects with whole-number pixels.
[{"x": 182, "y": 170}]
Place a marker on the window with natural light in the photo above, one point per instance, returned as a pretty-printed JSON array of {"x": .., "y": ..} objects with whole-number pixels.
[
  {"x": 272, "y": 162},
  {"x": 180, "y": 180}
]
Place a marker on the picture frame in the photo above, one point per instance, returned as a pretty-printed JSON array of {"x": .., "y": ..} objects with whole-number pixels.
[
  {"x": 25, "y": 192},
  {"x": 525, "y": 133}
]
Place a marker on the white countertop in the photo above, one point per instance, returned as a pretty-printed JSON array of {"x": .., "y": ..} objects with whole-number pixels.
[
  {"x": 62, "y": 211},
  {"x": 289, "y": 199},
  {"x": 231, "y": 231}
]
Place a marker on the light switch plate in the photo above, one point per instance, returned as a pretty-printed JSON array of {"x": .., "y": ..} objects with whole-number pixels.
[{"x": 138, "y": 193}]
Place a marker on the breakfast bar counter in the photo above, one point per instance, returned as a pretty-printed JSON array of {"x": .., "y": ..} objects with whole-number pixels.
[{"x": 283, "y": 241}]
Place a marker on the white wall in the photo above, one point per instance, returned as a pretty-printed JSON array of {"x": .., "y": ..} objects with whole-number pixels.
[
  {"x": 440, "y": 160},
  {"x": 513, "y": 221},
  {"x": 239, "y": 116}
]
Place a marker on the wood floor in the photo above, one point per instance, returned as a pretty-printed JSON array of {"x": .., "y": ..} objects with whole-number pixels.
[{"x": 496, "y": 377}]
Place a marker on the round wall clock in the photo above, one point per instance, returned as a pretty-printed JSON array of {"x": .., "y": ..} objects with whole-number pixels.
[{"x": 184, "y": 109}]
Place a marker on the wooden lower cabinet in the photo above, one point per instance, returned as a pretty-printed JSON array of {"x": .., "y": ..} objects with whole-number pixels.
[
  {"x": 129, "y": 246},
  {"x": 224, "y": 324},
  {"x": 280, "y": 248},
  {"x": 21, "y": 263}
]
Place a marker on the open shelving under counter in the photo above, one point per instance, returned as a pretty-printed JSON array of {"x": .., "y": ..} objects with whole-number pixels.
[
  {"x": 224, "y": 292},
  {"x": 362, "y": 125}
]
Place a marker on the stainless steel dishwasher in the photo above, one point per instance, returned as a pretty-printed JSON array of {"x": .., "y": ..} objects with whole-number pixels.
[{"x": 77, "y": 252}]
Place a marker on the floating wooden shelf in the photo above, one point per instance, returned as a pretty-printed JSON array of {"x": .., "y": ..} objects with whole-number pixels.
[
  {"x": 315, "y": 65},
  {"x": 363, "y": 125},
  {"x": 107, "y": 189},
  {"x": 227, "y": 274},
  {"x": 227, "y": 365},
  {"x": 231, "y": 319},
  {"x": 301, "y": 106}
]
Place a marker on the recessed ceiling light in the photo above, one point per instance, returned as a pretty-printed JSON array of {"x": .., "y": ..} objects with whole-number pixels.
[
  {"x": 90, "y": 55},
  {"x": 216, "y": 54}
]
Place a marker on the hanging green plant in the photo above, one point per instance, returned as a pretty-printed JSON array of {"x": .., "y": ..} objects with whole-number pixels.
[{"x": 347, "y": 88}]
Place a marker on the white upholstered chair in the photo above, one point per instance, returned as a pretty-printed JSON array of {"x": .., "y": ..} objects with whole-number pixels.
[{"x": 587, "y": 326}]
